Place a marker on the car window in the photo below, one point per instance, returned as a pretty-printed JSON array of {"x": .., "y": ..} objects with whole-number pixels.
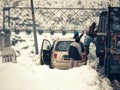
[
  {"x": 46, "y": 45},
  {"x": 63, "y": 45}
]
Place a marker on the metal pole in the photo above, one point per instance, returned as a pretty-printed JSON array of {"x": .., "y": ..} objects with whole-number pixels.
[
  {"x": 3, "y": 18},
  {"x": 34, "y": 28}
]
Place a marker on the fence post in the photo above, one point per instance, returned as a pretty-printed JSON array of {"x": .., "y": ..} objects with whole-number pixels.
[
  {"x": 34, "y": 28},
  {"x": 2, "y": 43}
]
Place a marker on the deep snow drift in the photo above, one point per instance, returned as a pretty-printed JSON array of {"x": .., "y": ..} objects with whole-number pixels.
[{"x": 28, "y": 74}]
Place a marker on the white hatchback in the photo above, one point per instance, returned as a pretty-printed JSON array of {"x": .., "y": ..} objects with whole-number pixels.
[{"x": 56, "y": 55}]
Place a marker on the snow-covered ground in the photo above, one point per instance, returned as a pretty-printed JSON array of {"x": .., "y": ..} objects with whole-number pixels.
[{"x": 28, "y": 74}]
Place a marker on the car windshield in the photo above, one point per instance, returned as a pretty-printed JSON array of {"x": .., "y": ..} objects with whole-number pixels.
[{"x": 63, "y": 45}]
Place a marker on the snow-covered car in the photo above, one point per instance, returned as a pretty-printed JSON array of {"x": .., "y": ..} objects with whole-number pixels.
[{"x": 56, "y": 55}]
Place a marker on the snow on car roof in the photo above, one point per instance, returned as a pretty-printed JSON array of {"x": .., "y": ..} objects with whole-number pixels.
[{"x": 65, "y": 39}]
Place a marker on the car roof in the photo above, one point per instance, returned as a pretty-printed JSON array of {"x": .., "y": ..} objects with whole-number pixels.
[{"x": 65, "y": 39}]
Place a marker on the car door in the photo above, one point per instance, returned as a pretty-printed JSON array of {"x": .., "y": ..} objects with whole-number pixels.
[{"x": 45, "y": 53}]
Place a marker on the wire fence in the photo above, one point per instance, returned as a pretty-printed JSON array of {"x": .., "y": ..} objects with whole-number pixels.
[{"x": 50, "y": 19}]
